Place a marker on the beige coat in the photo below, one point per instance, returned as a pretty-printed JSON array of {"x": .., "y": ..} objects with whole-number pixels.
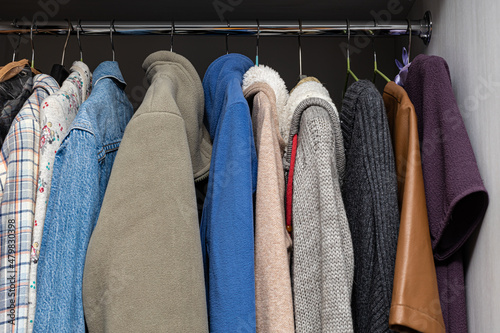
[
  {"x": 267, "y": 94},
  {"x": 144, "y": 266}
]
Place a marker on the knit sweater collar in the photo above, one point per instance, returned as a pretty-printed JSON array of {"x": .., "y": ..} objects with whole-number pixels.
[
  {"x": 306, "y": 88},
  {"x": 303, "y": 96}
]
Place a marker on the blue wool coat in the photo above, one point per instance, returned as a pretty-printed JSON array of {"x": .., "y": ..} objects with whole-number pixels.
[{"x": 227, "y": 234}]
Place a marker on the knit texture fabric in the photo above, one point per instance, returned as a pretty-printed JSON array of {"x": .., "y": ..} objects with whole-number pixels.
[
  {"x": 370, "y": 197},
  {"x": 322, "y": 264}
]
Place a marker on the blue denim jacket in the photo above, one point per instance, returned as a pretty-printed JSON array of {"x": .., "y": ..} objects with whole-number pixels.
[{"x": 81, "y": 171}]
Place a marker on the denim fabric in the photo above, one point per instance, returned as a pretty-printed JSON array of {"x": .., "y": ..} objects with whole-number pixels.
[
  {"x": 13, "y": 93},
  {"x": 81, "y": 171}
]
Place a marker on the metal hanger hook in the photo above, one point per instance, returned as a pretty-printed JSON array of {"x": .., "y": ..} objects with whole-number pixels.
[
  {"x": 78, "y": 29},
  {"x": 111, "y": 28},
  {"x": 70, "y": 28},
  {"x": 409, "y": 38},
  {"x": 14, "y": 23},
  {"x": 227, "y": 37},
  {"x": 257, "y": 45},
  {"x": 172, "y": 29},
  {"x": 348, "y": 39},
  {"x": 33, "y": 23},
  {"x": 373, "y": 43},
  {"x": 300, "y": 49}
]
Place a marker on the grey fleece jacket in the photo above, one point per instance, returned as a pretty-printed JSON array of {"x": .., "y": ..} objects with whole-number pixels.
[
  {"x": 144, "y": 268},
  {"x": 371, "y": 203},
  {"x": 322, "y": 262}
]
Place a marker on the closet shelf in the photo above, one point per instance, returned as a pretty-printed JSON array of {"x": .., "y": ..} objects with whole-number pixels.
[{"x": 421, "y": 28}]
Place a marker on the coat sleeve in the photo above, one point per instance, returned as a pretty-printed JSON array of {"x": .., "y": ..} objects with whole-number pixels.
[{"x": 72, "y": 210}]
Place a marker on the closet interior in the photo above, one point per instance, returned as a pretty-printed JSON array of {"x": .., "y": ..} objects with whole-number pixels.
[{"x": 432, "y": 158}]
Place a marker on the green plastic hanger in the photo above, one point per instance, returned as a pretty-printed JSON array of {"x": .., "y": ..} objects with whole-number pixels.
[
  {"x": 349, "y": 71},
  {"x": 375, "y": 67},
  {"x": 377, "y": 71}
]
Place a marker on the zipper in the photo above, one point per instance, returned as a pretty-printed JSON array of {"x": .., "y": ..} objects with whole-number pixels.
[{"x": 203, "y": 177}]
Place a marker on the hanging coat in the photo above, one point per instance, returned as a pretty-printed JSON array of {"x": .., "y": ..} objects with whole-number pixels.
[
  {"x": 144, "y": 269},
  {"x": 16, "y": 84},
  {"x": 227, "y": 224},
  {"x": 56, "y": 114},
  {"x": 82, "y": 167},
  {"x": 415, "y": 298}
]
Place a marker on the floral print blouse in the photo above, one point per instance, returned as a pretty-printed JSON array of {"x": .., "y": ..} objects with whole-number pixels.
[{"x": 56, "y": 114}]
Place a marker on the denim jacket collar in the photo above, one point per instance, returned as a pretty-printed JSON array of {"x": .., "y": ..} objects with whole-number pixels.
[{"x": 108, "y": 69}]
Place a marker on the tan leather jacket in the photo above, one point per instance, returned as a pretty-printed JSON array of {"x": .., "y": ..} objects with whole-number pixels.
[{"x": 415, "y": 298}]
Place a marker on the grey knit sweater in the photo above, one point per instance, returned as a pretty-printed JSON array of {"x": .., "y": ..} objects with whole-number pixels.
[
  {"x": 370, "y": 197},
  {"x": 322, "y": 263}
]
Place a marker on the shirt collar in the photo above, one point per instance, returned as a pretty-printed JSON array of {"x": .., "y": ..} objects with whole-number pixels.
[
  {"x": 108, "y": 69},
  {"x": 46, "y": 82}
]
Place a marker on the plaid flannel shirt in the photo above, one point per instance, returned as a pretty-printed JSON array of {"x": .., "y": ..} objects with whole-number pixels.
[{"x": 18, "y": 182}]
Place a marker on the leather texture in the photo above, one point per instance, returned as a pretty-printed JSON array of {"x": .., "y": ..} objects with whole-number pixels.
[{"x": 415, "y": 299}]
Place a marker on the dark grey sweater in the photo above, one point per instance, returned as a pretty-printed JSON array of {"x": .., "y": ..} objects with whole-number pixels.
[{"x": 370, "y": 198}]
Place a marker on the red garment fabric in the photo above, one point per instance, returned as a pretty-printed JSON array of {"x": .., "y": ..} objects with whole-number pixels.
[{"x": 289, "y": 187}]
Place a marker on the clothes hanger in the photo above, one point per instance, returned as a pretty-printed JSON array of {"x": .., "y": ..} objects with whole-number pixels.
[
  {"x": 300, "y": 51},
  {"x": 409, "y": 38},
  {"x": 17, "y": 47},
  {"x": 172, "y": 29},
  {"x": 111, "y": 28},
  {"x": 70, "y": 28},
  {"x": 257, "y": 45},
  {"x": 227, "y": 36},
  {"x": 32, "y": 43},
  {"x": 349, "y": 71},
  {"x": 79, "y": 28},
  {"x": 14, "y": 23},
  {"x": 375, "y": 67},
  {"x": 301, "y": 76}
]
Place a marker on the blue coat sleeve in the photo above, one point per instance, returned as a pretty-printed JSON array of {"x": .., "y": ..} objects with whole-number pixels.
[
  {"x": 227, "y": 225},
  {"x": 72, "y": 212}
]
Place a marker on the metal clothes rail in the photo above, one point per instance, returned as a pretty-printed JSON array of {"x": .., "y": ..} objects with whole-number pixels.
[{"x": 421, "y": 28}]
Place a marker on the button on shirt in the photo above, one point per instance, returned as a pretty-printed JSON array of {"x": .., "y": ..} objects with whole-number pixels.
[
  {"x": 81, "y": 171},
  {"x": 18, "y": 178}
]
